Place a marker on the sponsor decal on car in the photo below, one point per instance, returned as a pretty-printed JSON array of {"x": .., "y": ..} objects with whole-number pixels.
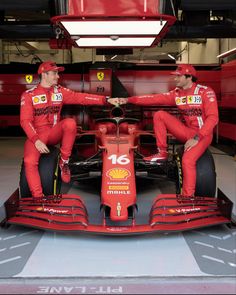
[
  {"x": 118, "y": 183},
  {"x": 184, "y": 210},
  {"x": 118, "y": 192},
  {"x": 51, "y": 210},
  {"x": 117, "y": 228},
  {"x": 121, "y": 160},
  {"x": 118, "y": 208},
  {"x": 118, "y": 187},
  {"x": 118, "y": 173}
]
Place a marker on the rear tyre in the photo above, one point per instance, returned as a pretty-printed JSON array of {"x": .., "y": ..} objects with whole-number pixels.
[
  {"x": 49, "y": 174},
  {"x": 206, "y": 175}
]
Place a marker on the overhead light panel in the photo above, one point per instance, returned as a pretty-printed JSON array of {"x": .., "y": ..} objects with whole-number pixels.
[
  {"x": 171, "y": 56},
  {"x": 120, "y": 24},
  {"x": 227, "y": 53},
  {"x": 120, "y": 42},
  {"x": 102, "y": 27},
  {"x": 114, "y": 56}
]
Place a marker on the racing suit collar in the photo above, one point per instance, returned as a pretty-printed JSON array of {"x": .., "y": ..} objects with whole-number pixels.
[
  {"x": 190, "y": 89},
  {"x": 45, "y": 88}
]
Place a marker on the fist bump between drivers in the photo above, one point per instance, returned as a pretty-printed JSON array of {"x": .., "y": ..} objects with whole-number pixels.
[{"x": 117, "y": 101}]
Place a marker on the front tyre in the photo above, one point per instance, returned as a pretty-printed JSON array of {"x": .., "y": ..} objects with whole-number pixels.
[
  {"x": 49, "y": 174},
  {"x": 206, "y": 175}
]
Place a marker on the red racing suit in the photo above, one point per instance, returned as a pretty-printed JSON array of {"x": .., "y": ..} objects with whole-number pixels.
[
  {"x": 40, "y": 119},
  {"x": 198, "y": 107}
]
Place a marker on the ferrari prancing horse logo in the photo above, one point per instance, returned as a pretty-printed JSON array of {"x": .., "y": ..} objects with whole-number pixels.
[
  {"x": 29, "y": 79},
  {"x": 100, "y": 76}
]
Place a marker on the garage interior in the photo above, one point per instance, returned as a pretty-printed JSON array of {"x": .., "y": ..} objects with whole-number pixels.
[{"x": 202, "y": 33}]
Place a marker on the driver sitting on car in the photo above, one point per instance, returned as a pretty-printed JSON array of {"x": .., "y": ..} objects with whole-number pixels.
[
  {"x": 40, "y": 119},
  {"x": 198, "y": 106}
]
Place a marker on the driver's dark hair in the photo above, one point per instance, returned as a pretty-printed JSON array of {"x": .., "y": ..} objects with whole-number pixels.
[
  {"x": 40, "y": 77},
  {"x": 194, "y": 79}
]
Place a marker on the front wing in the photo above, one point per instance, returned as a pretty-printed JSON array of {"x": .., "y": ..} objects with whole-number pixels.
[{"x": 168, "y": 213}]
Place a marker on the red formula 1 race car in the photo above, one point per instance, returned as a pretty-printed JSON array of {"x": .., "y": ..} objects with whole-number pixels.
[{"x": 110, "y": 146}]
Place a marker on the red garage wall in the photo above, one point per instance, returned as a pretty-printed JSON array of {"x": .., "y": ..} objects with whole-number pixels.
[
  {"x": 149, "y": 81},
  {"x": 137, "y": 81},
  {"x": 227, "y": 104}
]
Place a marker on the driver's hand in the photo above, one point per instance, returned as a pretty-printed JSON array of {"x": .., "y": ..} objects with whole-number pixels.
[
  {"x": 123, "y": 100},
  {"x": 190, "y": 144},
  {"x": 114, "y": 101},
  {"x": 41, "y": 147}
]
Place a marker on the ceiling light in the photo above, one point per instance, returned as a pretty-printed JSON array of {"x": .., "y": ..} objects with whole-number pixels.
[
  {"x": 114, "y": 38},
  {"x": 74, "y": 37},
  {"x": 120, "y": 42},
  {"x": 114, "y": 56},
  {"x": 226, "y": 53},
  {"x": 113, "y": 28},
  {"x": 171, "y": 56}
]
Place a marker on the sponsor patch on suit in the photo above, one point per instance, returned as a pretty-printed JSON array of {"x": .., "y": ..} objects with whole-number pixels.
[
  {"x": 39, "y": 99},
  {"x": 57, "y": 97},
  {"x": 194, "y": 99},
  {"x": 180, "y": 100}
]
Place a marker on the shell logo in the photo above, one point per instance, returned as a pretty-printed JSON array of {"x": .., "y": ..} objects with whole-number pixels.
[
  {"x": 118, "y": 173},
  {"x": 39, "y": 209},
  {"x": 178, "y": 100},
  {"x": 36, "y": 99},
  {"x": 171, "y": 210}
]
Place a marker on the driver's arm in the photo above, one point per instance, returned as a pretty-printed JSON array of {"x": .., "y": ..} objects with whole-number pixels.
[
  {"x": 73, "y": 97},
  {"x": 154, "y": 99},
  {"x": 27, "y": 117},
  {"x": 211, "y": 112}
]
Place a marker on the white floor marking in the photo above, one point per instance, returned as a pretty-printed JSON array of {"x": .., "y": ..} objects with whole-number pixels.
[
  {"x": 8, "y": 238},
  {"x": 10, "y": 259},
  {"x": 215, "y": 237},
  {"x": 20, "y": 245},
  {"x": 28, "y": 233},
  {"x": 225, "y": 250},
  {"x": 203, "y": 244},
  {"x": 232, "y": 264},
  {"x": 213, "y": 258}
]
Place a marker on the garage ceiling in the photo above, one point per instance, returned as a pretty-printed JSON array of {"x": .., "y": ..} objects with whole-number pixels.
[{"x": 29, "y": 20}]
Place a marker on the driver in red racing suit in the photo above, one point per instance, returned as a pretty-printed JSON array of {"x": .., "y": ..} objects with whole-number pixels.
[
  {"x": 40, "y": 119},
  {"x": 198, "y": 106}
]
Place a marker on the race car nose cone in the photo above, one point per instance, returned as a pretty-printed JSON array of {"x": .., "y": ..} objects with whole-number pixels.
[{"x": 119, "y": 213}]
